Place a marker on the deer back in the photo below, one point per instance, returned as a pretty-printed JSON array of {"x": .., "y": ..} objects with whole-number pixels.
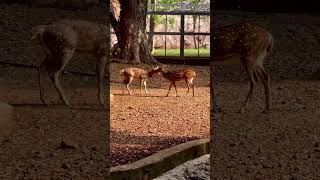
[
  {"x": 90, "y": 36},
  {"x": 243, "y": 39},
  {"x": 178, "y": 75},
  {"x": 134, "y": 72}
]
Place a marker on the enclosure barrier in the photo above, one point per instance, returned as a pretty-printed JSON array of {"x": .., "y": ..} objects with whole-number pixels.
[{"x": 161, "y": 162}]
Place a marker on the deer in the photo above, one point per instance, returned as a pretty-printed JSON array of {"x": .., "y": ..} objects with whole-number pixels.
[
  {"x": 60, "y": 40},
  {"x": 187, "y": 75},
  {"x": 249, "y": 45},
  {"x": 133, "y": 72}
]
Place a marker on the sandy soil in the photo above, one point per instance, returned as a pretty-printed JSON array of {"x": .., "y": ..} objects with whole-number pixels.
[
  {"x": 283, "y": 144},
  {"x": 144, "y": 124},
  {"x": 34, "y": 148},
  {"x": 132, "y": 138}
]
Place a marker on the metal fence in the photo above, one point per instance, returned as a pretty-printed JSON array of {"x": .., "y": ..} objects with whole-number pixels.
[{"x": 183, "y": 10}]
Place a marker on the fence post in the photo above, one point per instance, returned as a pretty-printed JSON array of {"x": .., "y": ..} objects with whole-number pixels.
[{"x": 182, "y": 36}]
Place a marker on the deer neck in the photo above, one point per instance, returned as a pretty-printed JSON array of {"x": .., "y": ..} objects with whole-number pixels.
[
  {"x": 165, "y": 74},
  {"x": 150, "y": 73}
]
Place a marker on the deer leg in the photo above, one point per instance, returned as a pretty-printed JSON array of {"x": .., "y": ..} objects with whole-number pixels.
[
  {"x": 141, "y": 82},
  {"x": 188, "y": 88},
  {"x": 56, "y": 82},
  {"x": 100, "y": 69},
  {"x": 145, "y": 86},
  {"x": 127, "y": 86},
  {"x": 123, "y": 88},
  {"x": 192, "y": 85},
  {"x": 55, "y": 71},
  {"x": 41, "y": 70},
  {"x": 125, "y": 82},
  {"x": 192, "y": 89},
  {"x": 250, "y": 71},
  {"x": 169, "y": 89},
  {"x": 266, "y": 83},
  {"x": 188, "y": 85},
  {"x": 174, "y": 85}
]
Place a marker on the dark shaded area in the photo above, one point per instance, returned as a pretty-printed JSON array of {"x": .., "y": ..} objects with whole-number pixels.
[
  {"x": 309, "y": 6},
  {"x": 148, "y": 145}
]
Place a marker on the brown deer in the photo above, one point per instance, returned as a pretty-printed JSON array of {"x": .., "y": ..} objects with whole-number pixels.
[
  {"x": 61, "y": 39},
  {"x": 249, "y": 45},
  {"x": 178, "y": 75},
  {"x": 133, "y": 72}
]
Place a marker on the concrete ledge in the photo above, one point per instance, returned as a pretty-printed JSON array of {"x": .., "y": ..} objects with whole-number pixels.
[
  {"x": 7, "y": 121},
  {"x": 161, "y": 162}
]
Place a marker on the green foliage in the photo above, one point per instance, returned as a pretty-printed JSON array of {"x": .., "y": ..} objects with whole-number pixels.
[
  {"x": 171, "y": 21},
  {"x": 187, "y": 52}
]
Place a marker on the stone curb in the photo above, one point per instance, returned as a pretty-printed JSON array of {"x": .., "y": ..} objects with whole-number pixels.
[{"x": 161, "y": 162}]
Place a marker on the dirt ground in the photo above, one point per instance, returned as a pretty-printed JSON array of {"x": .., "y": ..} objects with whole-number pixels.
[
  {"x": 41, "y": 129},
  {"x": 283, "y": 144},
  {"x": 144, "y": 124},
  {"x": 35, "y": 148}
]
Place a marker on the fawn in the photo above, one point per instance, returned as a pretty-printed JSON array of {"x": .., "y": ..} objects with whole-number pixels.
[
  {"x": 178, "y": 75},
  {"x": 133, "y": 72}
]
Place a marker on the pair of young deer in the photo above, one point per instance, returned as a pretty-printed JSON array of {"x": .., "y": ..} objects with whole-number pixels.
[
  {"x": 245, "y": 42},
  {"x": 173, "y": 76}
]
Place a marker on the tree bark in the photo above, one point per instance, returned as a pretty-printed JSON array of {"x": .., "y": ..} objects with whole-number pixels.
[
  {"x": 194, "y": 30},
  {"x": 152, "y": 28},
  {"x": 115, "y": 50},
  {"x": 132, "y": 32}
]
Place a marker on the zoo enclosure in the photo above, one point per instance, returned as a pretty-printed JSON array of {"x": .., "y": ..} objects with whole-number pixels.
[{"x": 183, "y": 10}]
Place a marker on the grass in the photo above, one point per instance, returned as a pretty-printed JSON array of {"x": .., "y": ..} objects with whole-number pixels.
[{"x": 187, "y": 52}]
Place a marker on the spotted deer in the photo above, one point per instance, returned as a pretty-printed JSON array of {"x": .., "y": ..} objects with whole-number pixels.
[
  {"x": 179, "y": 75},
  {"x": 249, "y": 45},
  {"x": 133, "y": 72},
  {"x": 60, "y": 40}
]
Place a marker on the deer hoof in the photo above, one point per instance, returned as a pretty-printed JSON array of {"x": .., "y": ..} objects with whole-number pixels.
[{"x": 69, "y": 105}]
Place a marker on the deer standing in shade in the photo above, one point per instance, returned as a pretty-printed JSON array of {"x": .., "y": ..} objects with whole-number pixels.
[
  {"x": 248, "y": 44},
  {"x": 60, "y": 40}
]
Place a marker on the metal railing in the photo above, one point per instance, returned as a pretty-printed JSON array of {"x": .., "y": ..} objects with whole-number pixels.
[{"x": 180, "y": 9}]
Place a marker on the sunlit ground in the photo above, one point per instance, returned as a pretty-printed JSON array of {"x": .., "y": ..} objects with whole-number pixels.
[{"x": 187, "y": 52}]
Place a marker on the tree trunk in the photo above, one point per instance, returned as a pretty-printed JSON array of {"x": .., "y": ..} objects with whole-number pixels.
[
  {"x": 115, "y": 50},
  {"x": 194, "y": 30},
  {"x": 132, "y": 30},
  {"x": 152, "y": 28}
]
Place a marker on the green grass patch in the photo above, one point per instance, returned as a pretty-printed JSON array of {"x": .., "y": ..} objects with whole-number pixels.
[{"x": 187, "y": 52}]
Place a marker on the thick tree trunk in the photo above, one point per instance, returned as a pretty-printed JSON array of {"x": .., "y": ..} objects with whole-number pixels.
[
  {"x": 115, "y": 50},
  {"x": 132, "y": 30},
  {"x": 194, "y": 30},
  {"x": 152, "y": 28}
]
